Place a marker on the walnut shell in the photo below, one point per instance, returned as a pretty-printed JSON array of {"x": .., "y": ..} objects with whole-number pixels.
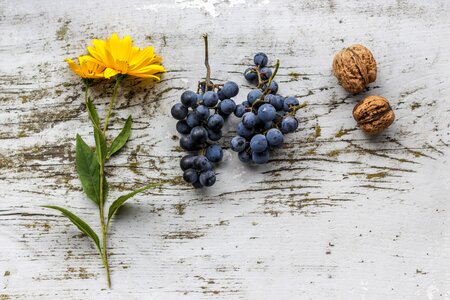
[
  {"x": 373, "y": 114},
  {"x": 355, "y": 68}
]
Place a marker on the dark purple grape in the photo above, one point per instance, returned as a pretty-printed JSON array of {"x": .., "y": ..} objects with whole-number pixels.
[
  {"x": 289, "y": 103},
  {"x": 199, "y": 135},
  {"x": 215, "y": 122},
  {"x": 289, "y": 124},
  {"x": 183, "y": 127},
  {"x": 190, "y": 175},
  {"x": 201, "y": 163},
  {"x": 238, "y": 144},
  {"x": 244, "y": 156},
  {"x": 187, "y": 144},
  {"x": 266, "y": 73},
  {"x": 179, "y": 111},
  {"x": 207, "y": 178},
  {"x": 202, "y": 112},
  {"x": 187, "y": 162},
  {"x": 189, "y": 98},
  {"x": 260, "y": 59},
  {"x": 260, "y": 157},
  {"x": 214, "y": 153},
  {"x": 258, "y": 143},
  {"x": 251, "y": 75},
  {"x": 240, "y": 110},
  {"x": 253, "y": 95},
  {"x": 227, "y": 106},
  {"x": 266, "y": 112},
  {"x": 193, "y": 119},
  {"x": 230, "y": 89},
  {"x": 210, "y": 99},
  {"x": 274, "y": 137}
]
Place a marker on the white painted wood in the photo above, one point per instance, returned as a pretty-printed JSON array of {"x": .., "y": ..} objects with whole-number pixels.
[{"x": 334, "y": 216}]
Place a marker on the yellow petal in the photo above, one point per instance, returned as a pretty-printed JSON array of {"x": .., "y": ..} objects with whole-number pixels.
[{"x": 110, "y": 73}]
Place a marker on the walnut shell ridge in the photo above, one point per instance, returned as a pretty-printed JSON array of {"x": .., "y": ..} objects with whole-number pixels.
[
  {"x": 355, "y": 68},
  {"x": 373, "y": 114}
]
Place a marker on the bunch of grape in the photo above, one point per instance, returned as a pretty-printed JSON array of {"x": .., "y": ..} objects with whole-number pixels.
[
  {"x": 265, "y": 117},
  {"x": 201, "y": 117}
]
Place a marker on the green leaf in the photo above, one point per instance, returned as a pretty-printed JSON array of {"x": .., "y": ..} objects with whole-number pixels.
[
  {"x": 83, "y": 226},
  {"x": 100, "y": 145},
  {"x": 121, "y": 139},
  {"x": 122, "y": 199},
  {"x": 88, "y": 170},
  {"x": 93, "y": 115}
]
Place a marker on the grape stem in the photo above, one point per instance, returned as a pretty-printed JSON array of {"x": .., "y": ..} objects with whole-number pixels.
[
  {"x": 208, "y": 68},
  {"x": 266, "y": 91}
]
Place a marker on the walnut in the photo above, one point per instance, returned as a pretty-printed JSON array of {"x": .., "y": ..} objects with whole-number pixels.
[
  {"x": 355, "y": 68},
  {"x": 373, "y": 114}
]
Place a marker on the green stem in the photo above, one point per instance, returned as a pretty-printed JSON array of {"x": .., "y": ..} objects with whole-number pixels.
[
  {"x": 101, "y": 206},
  {"x": 266, "y": 91},
  {"x": 102, "y": 221},
  {"x": 111, "y": 104}
]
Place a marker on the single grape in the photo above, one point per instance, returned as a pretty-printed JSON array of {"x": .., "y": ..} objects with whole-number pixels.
[
  {"x": 260, "y": 157},
  {"x": 266, "y": 112},
  {"x": 201, "y": 163},
  {"x": 214, "y": 153},
  {"x": 187, "y": 162},
  {"x": 183, "y": 127},
  {"x": 227, "y": 106},
  {"x": 187, "y": 143},
  {"x": 266, "y": 73},
  {"x": 193, "y": 119},
  {"x": 244, "y": 156},
  {"x": 221, "y": 95},
  {"x": 253, "y": 95},
  {"x": 190, "y": 175},
  {"x": 179, "y": 111},
  {"x": 249, "y": 120},
  {"x": 274, "y": 137},
  {"x": 260, "y": 59},
  {"x": 197, "y": 185},
  {"x": 244, "y": 131},
  {"x": 215, "y": 122},
  {"x": 258, "y": 143},
  {"x": 277, "y": 101},
  {"x": 214, "y": 135},
  {"x": 230, "y": 89},
  {"x": 289, "y": 124},
  {"x": 207, "y": 178},
  {"x": 289, "y": 103},
  {"x": 238, "y": 144},
  {"x": 199, "y": 135},
  {"x": 210, "y": 99},
  {"x": 189, "y": 98},
  {"x": 240, "y": 110},
  {"x": 251, "y": 75},
  {"x": 202, "y": 112},
  {"x": 273, "y": 87}
]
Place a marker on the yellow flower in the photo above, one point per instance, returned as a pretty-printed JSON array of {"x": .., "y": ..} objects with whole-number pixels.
[
  {"x": 119, "y": 56},
  {"x": 87, "y": 68}
]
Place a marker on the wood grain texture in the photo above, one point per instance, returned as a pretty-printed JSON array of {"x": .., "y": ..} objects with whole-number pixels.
[{"x": 335, "y": 215}]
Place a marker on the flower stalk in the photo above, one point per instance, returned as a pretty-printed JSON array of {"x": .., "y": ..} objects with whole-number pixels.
[{"x": 91, "y": 163}]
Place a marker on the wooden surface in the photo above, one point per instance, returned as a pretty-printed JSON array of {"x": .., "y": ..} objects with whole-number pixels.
[{"x": 335, "y": 215}]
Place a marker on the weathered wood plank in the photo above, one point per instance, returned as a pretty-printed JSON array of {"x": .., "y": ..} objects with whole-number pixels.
[{"x": 336, "y": 214}]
